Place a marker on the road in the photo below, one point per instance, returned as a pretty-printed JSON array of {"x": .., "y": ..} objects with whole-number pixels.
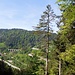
[{"x": 11, "y": 65}]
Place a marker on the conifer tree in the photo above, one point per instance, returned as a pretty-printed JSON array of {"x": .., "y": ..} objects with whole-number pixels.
[{"x": 44, "y": 27}]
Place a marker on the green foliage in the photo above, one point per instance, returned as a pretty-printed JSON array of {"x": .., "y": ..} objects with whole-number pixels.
[
  {"x": 67, "y": 22},
  {"x": 2, "y": 47},
  {"x": 68, "y": 58},
  {"x": 69, "y": 54},
  {"x": 19, "y": 39},
  {"x": 66, "y": 36}
]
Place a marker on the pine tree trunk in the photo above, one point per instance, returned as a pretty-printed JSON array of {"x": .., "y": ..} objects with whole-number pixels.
[
  {"x": 46, "y": 72},
  {"x": 59, "y": 67}
]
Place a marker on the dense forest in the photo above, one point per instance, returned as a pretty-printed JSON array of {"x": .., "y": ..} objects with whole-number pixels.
[
  {"x": 19, "y": 38},
  {"x": 49, "y": 53}
]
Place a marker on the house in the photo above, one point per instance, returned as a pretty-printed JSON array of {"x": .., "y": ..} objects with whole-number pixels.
[
  {"x": 31, "y": 55},
  {"x": 35, "y": 48},
  {"x": 13, "y": 50}
]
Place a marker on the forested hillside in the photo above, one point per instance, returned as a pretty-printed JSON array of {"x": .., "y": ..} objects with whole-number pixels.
[
  {"x": 19, "y": 38},
  {"x": 30, "y": 61},
  {"x": 41, "y": 51}
]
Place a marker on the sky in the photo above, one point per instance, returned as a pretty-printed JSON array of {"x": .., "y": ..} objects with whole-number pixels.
[{"x": 24, "y": 14}]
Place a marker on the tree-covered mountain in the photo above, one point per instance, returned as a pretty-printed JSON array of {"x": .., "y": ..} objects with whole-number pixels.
[{"x": 19, "y": 38}]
